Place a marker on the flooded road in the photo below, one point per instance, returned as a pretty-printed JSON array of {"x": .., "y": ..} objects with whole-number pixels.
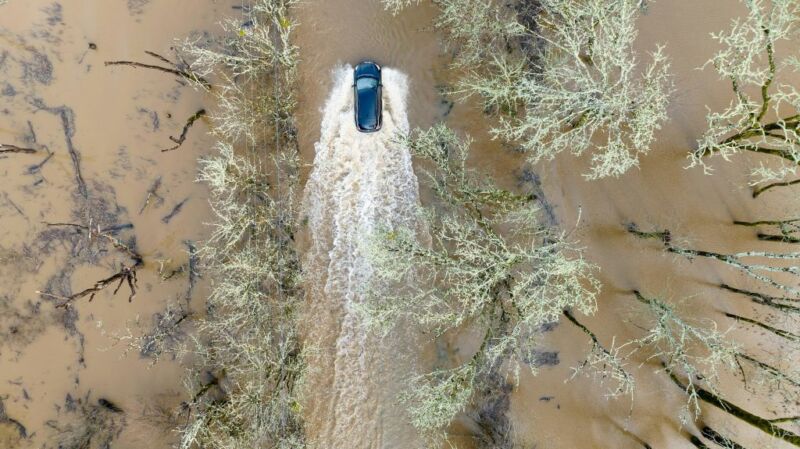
[
  {"x": 97, "y": 133},
  {"x": 361, "y": 185},
  {"x": 349, "y": 31},
  {"x": 96, "y": 170}
]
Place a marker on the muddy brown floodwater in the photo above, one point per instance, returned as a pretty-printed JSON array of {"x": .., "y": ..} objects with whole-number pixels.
[
  {"x": 661, "y": 193},
  {"x": 545, "y": 411},
  {"x": 98, "y": 133}
]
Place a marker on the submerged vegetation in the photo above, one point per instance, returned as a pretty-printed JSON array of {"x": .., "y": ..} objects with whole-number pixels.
[
  {"x": 248, "y": 359},
  {"x": 489, "y": 265},
  {"x": 562, "y": 76},
  {"x": 764, "y": 116}
]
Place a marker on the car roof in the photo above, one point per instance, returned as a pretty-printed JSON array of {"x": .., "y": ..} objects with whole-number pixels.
[{"x": 367, "y": 107}]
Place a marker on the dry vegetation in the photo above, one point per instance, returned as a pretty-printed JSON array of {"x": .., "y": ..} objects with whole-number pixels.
[
  {"x": 248, "y": 361},
  {"x": 562, "y": 75},
  {"x": 764, "y": 114},
  {"x": 489, "y": 265}
]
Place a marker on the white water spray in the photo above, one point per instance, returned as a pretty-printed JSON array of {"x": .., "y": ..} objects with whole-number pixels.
[{"x": 360, "y": 183}]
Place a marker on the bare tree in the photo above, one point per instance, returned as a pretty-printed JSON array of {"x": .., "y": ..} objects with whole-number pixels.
[
  {"x": 766, "y": 122},
  {"x": 694, "y": 348},
  {"x": 762, "y": 377},
  {"x": 481, "y": 259},
  {"x": 581, "y": 89}
]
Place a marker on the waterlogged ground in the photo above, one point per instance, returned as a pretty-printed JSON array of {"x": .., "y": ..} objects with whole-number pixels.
[
  {"x": 96, "y": 135},
  {"x": 545, "y": 411}
]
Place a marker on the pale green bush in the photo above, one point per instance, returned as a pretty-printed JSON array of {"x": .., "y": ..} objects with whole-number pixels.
[
  {"x": 572, "y": 81},
  {"x": 693, "y": 348},
  {"x": 763, "y": 116},
  {"x": 481, "y": 261},
  {"x": 248, "y": 361}
]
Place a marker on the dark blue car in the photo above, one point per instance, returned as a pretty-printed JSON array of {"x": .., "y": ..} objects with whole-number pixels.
[{"x": 367, "y": 87}]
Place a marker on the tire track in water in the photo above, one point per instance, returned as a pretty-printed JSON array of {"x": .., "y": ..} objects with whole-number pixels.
[{"x": 360, "y": 183}]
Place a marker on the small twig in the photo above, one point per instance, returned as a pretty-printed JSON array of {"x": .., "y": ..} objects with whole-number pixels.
[
  {"x": 152, "y": 192},
  {"x": 14, "y": 205},
  {"x": 35, "y": 168},
  {"x": 7, "y": 148},
  {"x": 664, "y": 236},
  {"x": 182, "y": 138}
]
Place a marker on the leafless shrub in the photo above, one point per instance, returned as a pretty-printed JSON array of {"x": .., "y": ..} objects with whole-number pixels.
[
  {"x": 488, "y": 264},
  {"x": 765, "y": 123},
  {"x": 584, "y": 91},
  {"x": 247, "y": 338}
]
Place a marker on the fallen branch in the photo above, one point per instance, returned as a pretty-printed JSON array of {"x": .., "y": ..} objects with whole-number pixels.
[
  {"x": 182, "y": 138},
  {"x": 175, "y": 210},
  {"x": 152, "y": 192},
  {"x": 759, "y": 190},
  {"x": 67, "y": 116},
  {"x": 7, "y": 148},
  {"x": 763, "y": 424},
  {"x": 174, "y": 70},
  {"x": 95, "y": 232},
  {"x": 125, "y": 274}
]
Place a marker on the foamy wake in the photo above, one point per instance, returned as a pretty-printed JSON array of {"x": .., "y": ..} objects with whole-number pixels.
[{"x": 360, "y": 183}]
